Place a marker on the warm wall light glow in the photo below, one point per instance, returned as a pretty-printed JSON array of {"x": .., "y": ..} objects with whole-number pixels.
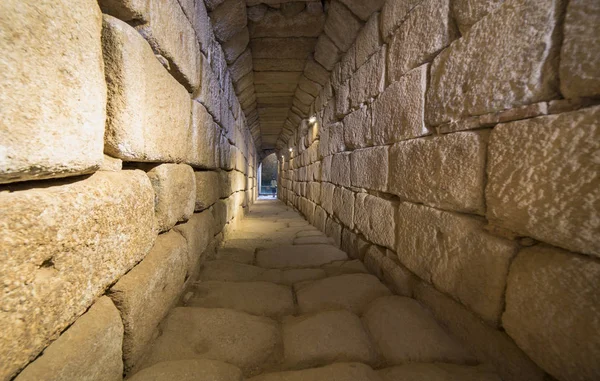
[
  {"x": 291, "y": 149},
  {"x": 312, "y": 120}
]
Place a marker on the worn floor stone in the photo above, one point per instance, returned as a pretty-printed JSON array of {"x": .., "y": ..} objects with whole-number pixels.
[
  {"x": 236, "y": 254},
  {"x": 299, "y": 256},
  {"x": 225, "y": 270},
  {"x": 437, "y": 372},
  {"x": 333, "y": 372},
  {"x": 190, "y": 370}
]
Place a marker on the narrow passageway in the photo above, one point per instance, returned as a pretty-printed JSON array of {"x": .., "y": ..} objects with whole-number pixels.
[{"x": 280, "y": 302}]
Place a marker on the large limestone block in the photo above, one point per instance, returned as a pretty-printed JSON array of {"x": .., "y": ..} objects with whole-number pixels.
[
  {"x": 145, "y": 295},
  {"x": 189, "y": 370},
  {"x": 552, "y": 311},
  {"x": 352, "y": 292},
  {"x": 340, "y": 169},
  {"x": 369, "y": 80},
  {"x": 369, "y": 168},
  {"x": 320, "y": 339},
  {"x": 357, "y": 128},
  {"x": 393, "y": 14},
  {"x": 327, "y": 190},
  {"x": 207, "y": 189},
  {"x": 427, "y": 30},
  {"x": 139, "y": 90},
  {"x": 455, "y": 254},
  {"x": 302, "y": 256},
  {"x": 438, "y": 372},
  {"x": 276, "y": 24},
  {"x": 89, "y": 350},
  {"x": 482, "y": 73},
  {"x": 274, "y": 47},
  {"x": 363, "y": 9},
  {"x": 404, "y": 331},
  {"x": 326, "y": 53},
  {"x": 228, "y": 19},
  {"x": 198, "y": 233},
  {"x": 197, "y": 13},
  {"x": 392, "y": 123},
  {"x": 368, "y": 40},
  {"x": 543, "y": 179},
  {"x": 62, "y": 245},
  {"x": 447, "y": 172},
  {"x": 175, "y": 193},
  {"x": 341, "y": 25},
  {"x": 579, "y": 56},
  {"x": 126, "y": 10},
  {"x": 343, "y": 206},
  {"x": 376, "y": 219},
  {"x": 236, "y": 45},
  {"x": 336, "y": 371},
  {"x": 204, "y": 145},
  {"x": 468, "y": 12},
  {"x": 248, "y": 342},
  {"x": 52, "y": 90},
  {"x": 171, "y": 35}
]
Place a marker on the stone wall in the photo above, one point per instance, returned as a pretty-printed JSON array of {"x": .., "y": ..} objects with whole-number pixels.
[
  {"x": 125, "y": 160},
  {"x": 454, "y": 148}
]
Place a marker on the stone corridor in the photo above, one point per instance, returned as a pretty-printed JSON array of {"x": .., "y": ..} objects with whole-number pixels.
[{"x": 281, "y": 303}]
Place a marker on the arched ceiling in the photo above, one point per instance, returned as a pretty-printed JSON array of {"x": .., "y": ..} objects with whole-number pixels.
[{"x": 280, "y": 54}]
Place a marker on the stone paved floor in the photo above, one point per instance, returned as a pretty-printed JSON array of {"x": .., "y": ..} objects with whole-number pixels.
[{"x": 281, "y": 303}]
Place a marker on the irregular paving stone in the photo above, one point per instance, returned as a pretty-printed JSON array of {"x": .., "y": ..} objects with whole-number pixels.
[
  {"x": 224, "y": 270},
  {"x": 369, "y": 168},
  {"x": 481, "y": 73},
  {"x": 352, "y": 292},
  {"x": 175, "y": 193},
  {"x": 551, "y": 312},
  {"x": 45, "y": 136},
  {"x": 338, "y": 371},
  {"x": 519, "y": 160},
  {"x": 67, "y": 243},
  {"x": 345, "y": 267},
  {"x": 145, "y": 295},
  {"x": 189, "y": 370},
  {"x": 314, "y": 240},
  {"x": 445, "y": 249},
  {"x": 579, "y": 58},
  {"x": 92, "y": 346},
  {"x": 298, "y": 256},
  {"x": 376, "y": 219},
  {"x": 207, "y": 190},
  {"x": 246, "y": 341},
  {"x": 438, "y": 372},
  {"x": 256, "y": 298},
  {"x": 447, "y": 172},
  {"x": 468, "y": 12},
  {"x": 332, "y": 336},
  {"x": 406, "y": 332},
  {"x": 236, "y": 254},
  {"x": 139, "y": 89}
]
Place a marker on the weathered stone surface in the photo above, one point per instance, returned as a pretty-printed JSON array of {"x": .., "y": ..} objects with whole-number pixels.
[
  {"x": 242, "y": 66},
  {"x": 482, "y": 73},
  {"x": 207, "y": 189},
  {"x": 198, "y": 233},
  {"x": 375, "y": 218},
  {"x": 175, "y": 193},
  {"x": 369, "y": 168},
  {"x": 315, "y": 72},
  {"x": 273, "y": 47},
  {"x": 337, "y": 371},
  {"x": 171, "y": 35},
  {"x": 89, "y": 350},
  {"x": 392, "y": 123},
  {"x": 393, "y": 14},
  {"x": 327, "y": 190},
  {"x": 446, "y": 249},
  {"x": 447, "y": 172},
  {"x": 438, "y": 372},
  {"x": 341, "y": 26},
  {"x": 145, "y": 295},
  {"x": 363, "y": 9},
  {"x": 224, "y": 270},
  {"x": 340, "y": 169},
  {"x": 368, "y": 41},
  {"x": 299, "y": 256},
  {"x": 125, "y": 10},
  {"x": 61, "y": 247},
  {"x": 352, "y": 292},
  {"x": 256, "y": 298},
  {"x": 278, "y": 24},
  {"x": 197, "y": 13},
  {"x": 345, "y": 267},
  {"x": 369, "y": 79},
  {"x": 384, "y": 263},
  {"x": 564, "y": 208},
  {"x": 343, "y": 206},
  {"x": 189, "y": 370},
  {"x": 552, "y": 312},
  {"x": 236, "y": 45},
  {"x": 579, "y": 57},
  {"x": 332, "y": 336},
  {"x": 318, "y": 240},
  {"x": 139, "y": 89},
  {"x": 45, "y": 136},
  {"x": 246, "y": 341},
  {"x": 228, "y": 19},
  {"x": 427, "y": 30},
  {"x": 406, "y": 332},
  {"x": 468, "y": 12},
  {"x": 111, "y": 164},
  {"x": 357, "y": 128},
  {"x": 272, "y": 64},
  {"x": 326, "y": 53}
]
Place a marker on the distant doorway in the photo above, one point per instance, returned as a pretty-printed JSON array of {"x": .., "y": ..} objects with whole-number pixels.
[{"x": 267, "y": 177}]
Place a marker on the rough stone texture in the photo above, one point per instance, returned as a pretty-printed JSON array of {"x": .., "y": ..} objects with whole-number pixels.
[
  {"x": 393, "y": 14},
  {"x": 447, "y": 172},
  {"x": 357, "y": 128},
  {"x": 332, "y": 336},
  {"x": 337, "y": 371},
  {"x": 237, "y": 338},
  {"x": 145, "y": 295},
  {"x": 341, "y": 25},
  {"x": 67, "y": 243},
  {"x": 369, "y": 80},
  {"x": 298, "y": 256},
  {"x": 326, "y": 53},
  {"x": 198, "y": 233},
  {"x": 278, "y": 24},
  {"x": 552, "y": 311},
  {"x": 340, "y": 169},
  {"x": 190, "y": 370},
  {"x": 352, "y": 292},
  {"x": 369, "y": 168},
  {"x": 236, "y": 45},
  {"x": 468, "y": 12},
  {"x": 438, "y": 372},
  {"x": 256, "y": 298},
  {"x": 368, "y": 40},
  {"x": 89, "y": 350},
  {"x": 125, "y": 10},
  {"x": 175, "y": 193},
  {"x": 363, "y": 9},
  {"x": 482, "y": 73},
  {"x": 228, "y": 19},
  {"x": 111, "y": 164},
  {"x": 455, "y": 254},
  {"x": 139, "y": 89},
  {"x": 392, "y": 123},
  {"x": 207, "y": 189},
  {"x": 564, "y": 208},
  {"x": 343, "y": 206},
  {"x": 42, "y": 135},
  {"x": 224, "y": 270},
  {"x": 427, "y": 30},
  {"x": 375, "y": 218},
  {"x": 579, "y": 57},
  {"x": 197, "y": 13},
  {"x": 406, "y": 332}
]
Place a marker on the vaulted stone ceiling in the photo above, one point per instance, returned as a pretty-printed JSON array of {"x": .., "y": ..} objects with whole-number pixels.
[{"x": 280, "y": 54}]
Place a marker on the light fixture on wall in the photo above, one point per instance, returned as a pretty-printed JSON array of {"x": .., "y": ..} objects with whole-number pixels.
[
  {"x": 291, "y": 150},
  {"x": 312, "y": 120}
]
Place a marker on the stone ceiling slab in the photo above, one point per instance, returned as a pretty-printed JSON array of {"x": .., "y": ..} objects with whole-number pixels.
[{"x": 298, "y": 48}]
